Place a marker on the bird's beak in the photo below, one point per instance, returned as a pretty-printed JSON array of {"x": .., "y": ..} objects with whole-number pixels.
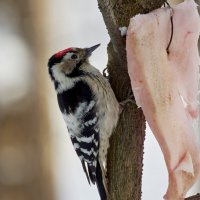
[{"x": 91, "y": 49}]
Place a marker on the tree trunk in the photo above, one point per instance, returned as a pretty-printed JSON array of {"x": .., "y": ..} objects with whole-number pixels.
[{"x": 125, "y": 155}]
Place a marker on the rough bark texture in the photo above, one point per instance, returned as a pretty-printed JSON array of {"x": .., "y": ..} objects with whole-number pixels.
[
  {"x": 195, "y": 197},
  {"x": 126, "y": 145},
  {"x": 125, "y": 156}
]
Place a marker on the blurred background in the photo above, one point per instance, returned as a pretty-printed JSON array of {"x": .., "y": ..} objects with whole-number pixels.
[{"x": 37, "y": 160}]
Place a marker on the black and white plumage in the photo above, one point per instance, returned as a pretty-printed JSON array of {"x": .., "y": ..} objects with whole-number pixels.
[{"x": 89, "y": 108}]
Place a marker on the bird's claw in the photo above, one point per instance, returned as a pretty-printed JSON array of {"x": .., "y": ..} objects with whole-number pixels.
[{"x": 105, "y": 74}]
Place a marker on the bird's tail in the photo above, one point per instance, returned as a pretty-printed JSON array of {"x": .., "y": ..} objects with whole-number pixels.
[
  {"x": 97, "y": 176},
  {"x": 100, "y": 181}
]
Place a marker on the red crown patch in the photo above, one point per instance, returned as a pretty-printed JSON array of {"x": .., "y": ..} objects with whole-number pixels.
[{"x": 62, "y": 53}]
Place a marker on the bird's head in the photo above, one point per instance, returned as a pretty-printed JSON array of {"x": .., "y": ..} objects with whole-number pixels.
[{"x": 68, "y": 60}]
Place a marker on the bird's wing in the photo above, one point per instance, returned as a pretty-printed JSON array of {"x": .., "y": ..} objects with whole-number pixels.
[{"x": 79, "y": 111}]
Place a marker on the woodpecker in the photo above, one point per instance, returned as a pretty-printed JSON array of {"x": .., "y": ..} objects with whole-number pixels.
[{"x": 89, "y": 108}]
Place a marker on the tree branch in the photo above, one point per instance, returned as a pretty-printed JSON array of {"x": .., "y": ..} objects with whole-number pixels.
[
  {"x": 125, "y": 155},
  {"x": 195, "y": 197}
]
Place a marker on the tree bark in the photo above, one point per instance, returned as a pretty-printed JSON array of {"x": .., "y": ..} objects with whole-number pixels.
[
  {"x": 125, "y": 156},
  {"x": 195, "y": 197}
]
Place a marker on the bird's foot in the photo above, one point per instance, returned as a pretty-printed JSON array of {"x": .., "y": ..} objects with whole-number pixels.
[
  {"x": 130, "y": 99},
  {"x": 105, "y": 73}
]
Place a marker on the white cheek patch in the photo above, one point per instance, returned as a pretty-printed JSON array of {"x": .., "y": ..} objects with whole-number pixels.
[
  {"x": 58, "y": 75},
  {"x": 64, "y": 82}
]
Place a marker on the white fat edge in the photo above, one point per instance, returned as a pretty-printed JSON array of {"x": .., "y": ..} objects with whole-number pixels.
[
  {"x": 137, "y": 97},
  {"x": 123, "y": 30},
  {"x": 195, "y": 125},
  {"x": 135, "y": 22},
  {"x": 185, "y": 104},
  {"x": 186, "y": 165},
  {"x": 185, "y": 101},
  {"x": 195, "y": 122}
]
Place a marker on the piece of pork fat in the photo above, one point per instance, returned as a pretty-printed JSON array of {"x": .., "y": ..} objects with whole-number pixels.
[{"x": 166, "y": 86}]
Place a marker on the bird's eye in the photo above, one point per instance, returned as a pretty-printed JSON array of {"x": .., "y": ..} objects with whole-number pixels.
[{"x": 74, "y": 56}]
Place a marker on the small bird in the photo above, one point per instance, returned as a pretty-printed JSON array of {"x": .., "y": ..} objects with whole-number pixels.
[{"x": 89, "y": 108}]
